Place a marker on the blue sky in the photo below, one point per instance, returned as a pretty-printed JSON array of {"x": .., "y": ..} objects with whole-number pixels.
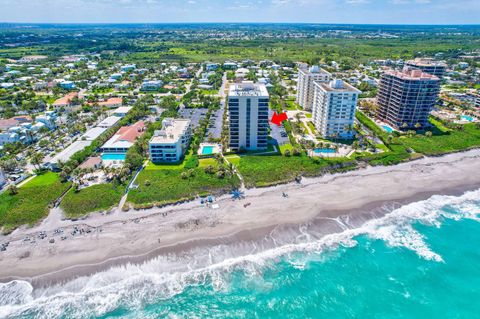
[{"x": 320, "y": 11}]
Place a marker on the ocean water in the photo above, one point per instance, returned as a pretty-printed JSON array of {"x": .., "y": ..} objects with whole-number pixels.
[{"x": 421, "y": 260}]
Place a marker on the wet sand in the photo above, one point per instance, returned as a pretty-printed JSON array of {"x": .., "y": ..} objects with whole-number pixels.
[{"x": 105, "y": 240}]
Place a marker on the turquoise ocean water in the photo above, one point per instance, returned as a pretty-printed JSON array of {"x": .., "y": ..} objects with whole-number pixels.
[{"x": 420, "y": 261}]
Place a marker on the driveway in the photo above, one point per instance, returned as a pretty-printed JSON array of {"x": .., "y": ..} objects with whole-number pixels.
[{"x": 275, "y": 132}]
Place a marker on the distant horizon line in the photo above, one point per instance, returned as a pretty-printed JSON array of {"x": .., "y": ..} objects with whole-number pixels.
[{"x": 277, "y": 23}]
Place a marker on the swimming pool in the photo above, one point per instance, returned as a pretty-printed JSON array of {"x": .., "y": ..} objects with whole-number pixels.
[
  {"x": 324, "y": 150},
  {"x": 207, "y": 150},
  {"x": 387, "y": 128},
  {"x": 113, "y": 157},
  {"x": 467, "y": 118}
]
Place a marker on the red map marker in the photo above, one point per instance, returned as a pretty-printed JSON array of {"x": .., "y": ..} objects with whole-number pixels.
[{"x": 279, "y": 118}]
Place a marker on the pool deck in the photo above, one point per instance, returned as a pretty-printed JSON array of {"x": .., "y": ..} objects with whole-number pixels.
[
  {"x": 216, "y": 149},
  {"x": 341, "y": 152}
]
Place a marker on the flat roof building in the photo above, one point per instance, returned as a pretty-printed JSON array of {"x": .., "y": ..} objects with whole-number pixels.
[
  {"x": 334, "y": 108},
  {"x": 170, "y": 143},
  {"x": 305, "y": 84},
  {"x": 109, "y": 121},
  {"x": 122, "y": 111},
  {"x": 406, "y": 98},
  {"x": 248, "y": 114},
  {"x": 84, "y": 141},
  {"x": 429, "y": 66}
]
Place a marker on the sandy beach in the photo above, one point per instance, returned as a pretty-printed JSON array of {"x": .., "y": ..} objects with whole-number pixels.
[{"x": 103, "y": 240}]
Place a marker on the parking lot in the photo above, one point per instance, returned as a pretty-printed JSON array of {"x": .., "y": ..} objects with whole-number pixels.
[
  {"x": 216, "y": 123},
  {"x": 194, "y": 115},
  {"x": 278, "y": 133}
]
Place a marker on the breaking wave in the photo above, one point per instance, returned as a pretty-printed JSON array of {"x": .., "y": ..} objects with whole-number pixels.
[{"x": 133, "y": 286}]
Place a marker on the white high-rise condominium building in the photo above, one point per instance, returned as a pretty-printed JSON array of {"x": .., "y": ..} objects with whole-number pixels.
[
  {"x": 334, "y": 109},
  {"x": 170, "y": 143},
  {"x": 305, "y": 86},
  {"x": 248, "y": 115}
]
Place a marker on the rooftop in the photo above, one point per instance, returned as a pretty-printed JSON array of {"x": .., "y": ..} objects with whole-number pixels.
[
  {"x": 122, "y": 110},
  {"x": 338, "y": 86},
  {"x": 248, "y": 89},
  {"x": 93, "y": 133},
  {"x": 109, "y": 121},
  {"x": 413, "y": 75},
  {"x": 126, "y": 136},
  {"x": 314, "y": 69},
  {"x": 426, "y": 62},
  {"x": 67, "y": 153},
  {"x": 66, "y": 99},
  {"x": 91, "y": 162},
  {"x": 111, "y": 101},
  {"x": 172, "y": 131}
]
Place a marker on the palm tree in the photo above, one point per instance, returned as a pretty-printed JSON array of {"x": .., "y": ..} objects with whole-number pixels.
[
  {"x": 230, "y": 169},
  {"x": 36, "y": 159},
  {"x": 389, "y": 139},
  {"x": 219, "y": 159}
]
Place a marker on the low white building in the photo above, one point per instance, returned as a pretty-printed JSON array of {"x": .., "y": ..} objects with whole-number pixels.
[
  {"x": 122, "y": 111},
  {"x": 170, "y": 143},
  {"x": 334, "y": 108},
  {"x": 109, "y": 121}
]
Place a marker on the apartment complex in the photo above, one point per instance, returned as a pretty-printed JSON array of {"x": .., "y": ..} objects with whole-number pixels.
[
  {"x": 334, "y": 108},
  {"x": 248, "y": 114},
  {"x": 305, "y": 84},
  {"x": 429, "y": 66},
  {"x": 170, "y": 143},
  {"x": 406, "y": 98}
]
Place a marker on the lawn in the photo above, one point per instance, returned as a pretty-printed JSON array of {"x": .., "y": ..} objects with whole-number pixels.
[
  {"x": 31, "y": 204},
  {"x": 292, "y": 105},
  {"x": 269, "y": 170},
  {"x": 167, "y": 186},
  {"x": 312, "y": 127},
  {"x": 285, "y": 147},
  {"x": 234, "y": 159},
  {"x": 445, "y": 143},
  {"x": 204, "y": 162},
  {"x": 209, "y": 92},
  {"x": 156, "y": 167},
  {"x": 91, "y": 199}
]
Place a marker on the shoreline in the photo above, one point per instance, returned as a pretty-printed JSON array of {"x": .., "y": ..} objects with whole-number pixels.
[{"x": 138, "y": 236}]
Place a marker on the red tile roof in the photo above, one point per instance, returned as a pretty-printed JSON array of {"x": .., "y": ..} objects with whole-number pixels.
[
  {"x": 6, "y": 124},
  {"x": 111, "y": 101},
  {"x": 66, "y": 99},
  {"x": 131, "y": 133}
]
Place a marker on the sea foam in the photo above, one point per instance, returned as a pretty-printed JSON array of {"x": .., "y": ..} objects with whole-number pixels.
[{"x": 133, "y": 286}]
